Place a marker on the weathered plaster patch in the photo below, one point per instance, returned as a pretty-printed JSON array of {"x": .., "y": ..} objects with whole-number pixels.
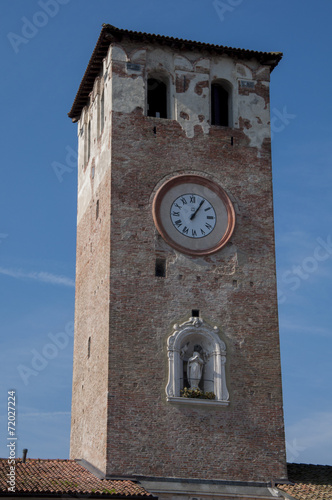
[
  {"x": 117, "y": 54},
  {"x": 252, "y": 64},
  {"x": 84, "y": 196},
  {"x": 193, "y": 104},
  {"x": 160, "y": 59},
  {"x": 262, "y": 73},
  {"x": 202, "y": 66},
  {"x": 119, "y": 68},
  {"x": 184, "y": 115},
  {"x": 189, "y": 125},
  {"x": 182, "y": 63},
  {"x": 223, "y": 69},
  {"x": 256, "y": 129},
  {"x": 128, "y": 94},
  {"x": 200, "y": 86},
  {"x": 96, "y": 89},
  {"x": 134, "y": 69},
  {"x": 183, "y": 82},
  {"x": 243, "y": 71},
  {"x": 138, "y": 56},
  {"x": 246, "y": 123}
]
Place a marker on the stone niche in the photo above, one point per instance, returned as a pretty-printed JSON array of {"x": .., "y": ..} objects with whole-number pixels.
[{"x": 196, "y": 360}]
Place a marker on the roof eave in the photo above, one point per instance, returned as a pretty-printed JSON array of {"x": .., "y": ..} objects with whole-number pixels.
[
  {"x": 111, "y": 34},
  {"x": 73, "y": 494}
]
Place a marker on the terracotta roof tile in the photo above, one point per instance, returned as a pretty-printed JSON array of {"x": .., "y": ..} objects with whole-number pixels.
[
  {"x": 38, "y": 476},
  {"x": 58, "y": 477},
  {"x": 309, "y": 482}
]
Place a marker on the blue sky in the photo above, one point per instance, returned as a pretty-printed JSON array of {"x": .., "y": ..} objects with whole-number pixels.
[{"x": 43, "y": 58}]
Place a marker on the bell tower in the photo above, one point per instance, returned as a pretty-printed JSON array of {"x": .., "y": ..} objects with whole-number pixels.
[{"x": 177, "y": 379}]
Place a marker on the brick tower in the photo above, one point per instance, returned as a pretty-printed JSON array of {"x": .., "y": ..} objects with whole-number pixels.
[{"x": 175, "y": 277}]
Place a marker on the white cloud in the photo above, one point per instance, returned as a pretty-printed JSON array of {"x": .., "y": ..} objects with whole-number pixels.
[
  {"x": 45, "y": 414},
  {"x": 41, "y": 276},
  {"x": 44, "y": 434},
  {"x": 292, "y": 325}
]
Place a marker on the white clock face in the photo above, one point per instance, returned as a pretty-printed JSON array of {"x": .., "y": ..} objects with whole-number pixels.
[{"x": 193, "y": 216}]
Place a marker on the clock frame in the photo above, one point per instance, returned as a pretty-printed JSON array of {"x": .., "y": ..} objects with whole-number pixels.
[{"x": 186, "y": 186}]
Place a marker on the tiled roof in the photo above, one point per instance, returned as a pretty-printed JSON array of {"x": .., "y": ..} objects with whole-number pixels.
[
  {"x": 110, "y": 34},
  {"x": 309, "y": 482},
  {"x": 37, "y": 477}
]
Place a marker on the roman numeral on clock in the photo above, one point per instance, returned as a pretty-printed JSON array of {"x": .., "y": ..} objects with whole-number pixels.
[{"x": 188, "y": 217}]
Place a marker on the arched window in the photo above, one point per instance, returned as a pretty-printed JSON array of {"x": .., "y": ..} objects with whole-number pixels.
[
  {"x": 220, "y": 104},
  {"x": 157, "y": 98},
  {"x": 196, "y": 361}
]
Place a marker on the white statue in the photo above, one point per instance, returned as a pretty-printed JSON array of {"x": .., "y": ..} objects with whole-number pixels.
[{"x": 195, "y": 370}]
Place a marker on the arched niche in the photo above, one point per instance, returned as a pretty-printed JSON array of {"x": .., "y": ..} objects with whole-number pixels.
[{"x": 195, "y": 335}]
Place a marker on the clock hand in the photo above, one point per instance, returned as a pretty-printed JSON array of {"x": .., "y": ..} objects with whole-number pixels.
[{"x": 194, "y": 214}]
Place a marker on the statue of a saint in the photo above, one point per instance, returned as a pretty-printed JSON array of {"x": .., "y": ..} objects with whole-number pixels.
[{"x": 194, "y": 370}]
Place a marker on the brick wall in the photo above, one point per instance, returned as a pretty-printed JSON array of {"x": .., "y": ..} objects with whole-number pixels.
[
  {"x": 233, "y": 289},
  {"x": 128, "y": 427}
]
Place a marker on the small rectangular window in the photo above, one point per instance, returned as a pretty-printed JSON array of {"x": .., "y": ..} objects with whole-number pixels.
[
  {"x": 160, "y": 269},
  {"x": 195, "y": 313},
  {"x": 97, "y": 209}
]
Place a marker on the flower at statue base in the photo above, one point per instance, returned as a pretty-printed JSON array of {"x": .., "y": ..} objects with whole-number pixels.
[{"x": 196, "y": 393}]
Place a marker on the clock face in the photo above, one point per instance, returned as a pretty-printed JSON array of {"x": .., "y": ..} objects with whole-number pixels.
[{"x": 193, "y": 214}]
